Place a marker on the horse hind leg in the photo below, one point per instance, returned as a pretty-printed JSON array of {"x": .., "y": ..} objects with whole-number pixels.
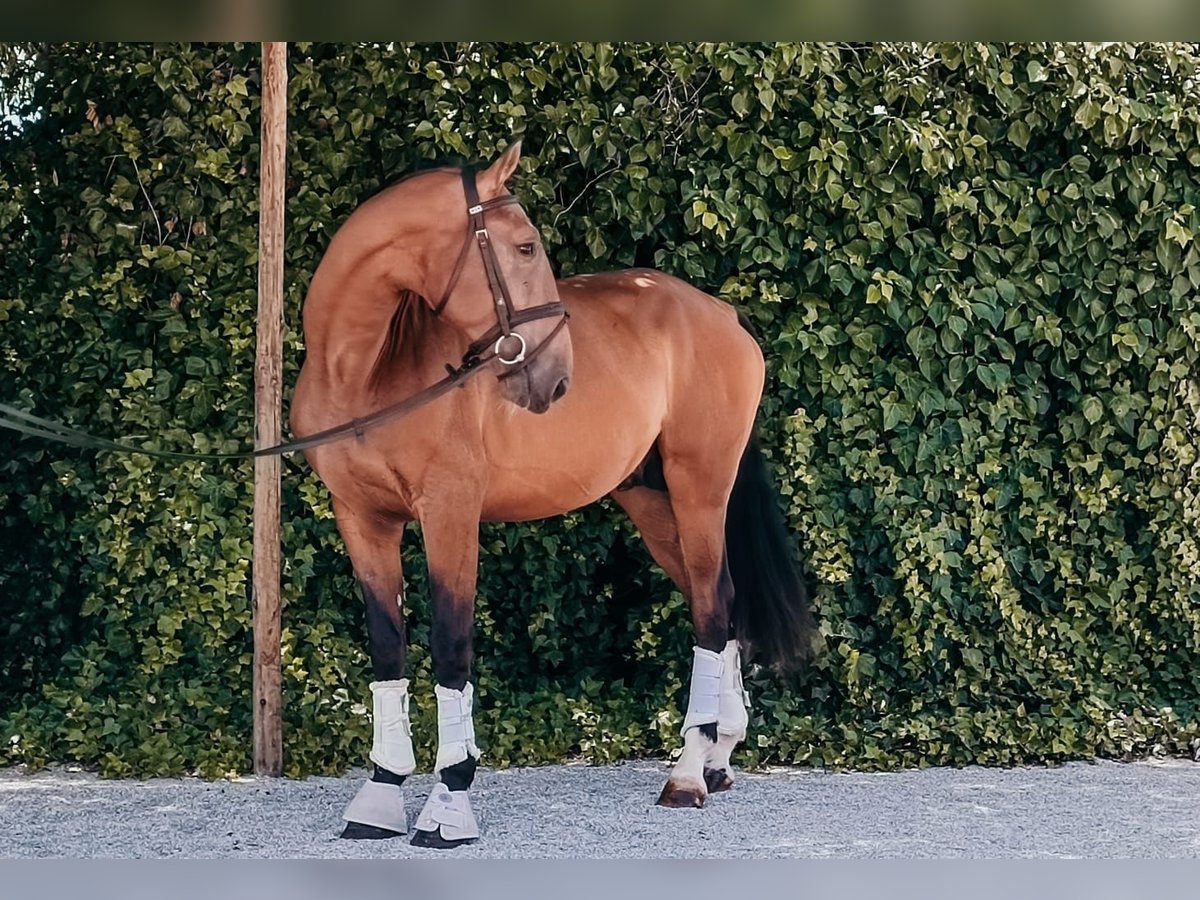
[
  {"x": 732, "y": 718},
  {"x": 652, "y": 513},
  {"x": 711, "y": 598}
]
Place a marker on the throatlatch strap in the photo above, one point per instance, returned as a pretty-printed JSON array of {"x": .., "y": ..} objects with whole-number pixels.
[
  {"x": 456, "y": 729},
  {"x": 392, "y": 744},
  {"x": 704, "y": 700}
]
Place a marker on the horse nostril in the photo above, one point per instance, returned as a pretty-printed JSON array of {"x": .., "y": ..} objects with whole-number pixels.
[{"x": 561, "y": 388}]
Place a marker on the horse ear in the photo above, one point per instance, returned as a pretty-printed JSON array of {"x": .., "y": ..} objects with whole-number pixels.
[{"x": 491, "y": 180}]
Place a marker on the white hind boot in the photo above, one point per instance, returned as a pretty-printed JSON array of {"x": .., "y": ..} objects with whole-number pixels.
[{"x": 732, "y": 718}]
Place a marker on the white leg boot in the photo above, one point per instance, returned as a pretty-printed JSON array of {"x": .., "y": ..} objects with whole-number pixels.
[
  {"x": 685, "y": 785},
  {"x": 732, "y": 718},
  {"x": 378, "y": 804},
  {"x": 447, "y": 819}
]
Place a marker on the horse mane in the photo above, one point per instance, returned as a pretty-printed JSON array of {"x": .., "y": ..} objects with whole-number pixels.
[
  {"x": 424, "y": 167},
  {"x": 409, "y": 323}
]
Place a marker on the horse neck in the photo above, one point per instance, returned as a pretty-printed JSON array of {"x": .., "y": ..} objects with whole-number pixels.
[{"x": 349, "y": 310}]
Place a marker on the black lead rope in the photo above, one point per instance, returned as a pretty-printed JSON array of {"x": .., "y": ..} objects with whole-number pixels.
[{"x": 35, "y": 426}]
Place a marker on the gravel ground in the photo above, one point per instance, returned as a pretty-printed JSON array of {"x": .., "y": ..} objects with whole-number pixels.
[{"x": 1102, "y": 809}]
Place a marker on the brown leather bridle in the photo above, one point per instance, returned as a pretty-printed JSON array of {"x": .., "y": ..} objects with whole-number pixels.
[{"x": 507, "y": 316}]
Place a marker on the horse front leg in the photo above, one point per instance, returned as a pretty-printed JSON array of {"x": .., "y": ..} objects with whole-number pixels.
[
  {"x": 377, "y": 810},
  {"x": 452, "y": 550}
]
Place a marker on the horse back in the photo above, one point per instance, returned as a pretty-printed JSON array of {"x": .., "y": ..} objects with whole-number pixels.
[{"x": 690, "y": 337}]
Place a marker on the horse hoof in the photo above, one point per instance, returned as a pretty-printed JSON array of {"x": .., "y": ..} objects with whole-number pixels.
[
  {"x": 717, "y": 780},
  {"x": 435, "y": 840},
  {"x": 681, "y": 796},
  {"x": 356, "y": 831}
]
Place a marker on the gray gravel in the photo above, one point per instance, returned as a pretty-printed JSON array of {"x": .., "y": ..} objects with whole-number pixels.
[{"x": 1103, "y": 809}]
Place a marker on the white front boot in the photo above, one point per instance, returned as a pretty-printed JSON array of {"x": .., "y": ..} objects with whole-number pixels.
[
  {"x": 392, "y": 746},
  {"x": 447, "y": 814},
  {"x": 377, "y": 804},
  {"x": 450, "y": 812},
  {"x": 456, "y": 727}
]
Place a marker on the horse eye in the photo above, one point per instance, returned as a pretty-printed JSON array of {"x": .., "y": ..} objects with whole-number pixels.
[{"x": 526, "y": 249}]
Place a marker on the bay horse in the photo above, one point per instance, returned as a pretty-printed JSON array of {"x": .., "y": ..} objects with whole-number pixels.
[{"x": 649, "y": 396}]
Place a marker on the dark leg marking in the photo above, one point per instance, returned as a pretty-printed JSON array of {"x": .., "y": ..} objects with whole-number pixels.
[
  {"x": 712, "y": 627},
  {"x": 389, "y": 647},
  {"x": 386, "y": 633},
  {"x": 452, "y": 641},
  {"x": 383, "y": 776},
  {"x": 717, "y": 780},
  {"x": 459, "y": 776},
  {"x": 452, "y": 646}
]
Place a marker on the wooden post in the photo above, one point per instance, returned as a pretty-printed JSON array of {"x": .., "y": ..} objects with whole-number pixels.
[{"x": 268, "y": 398}]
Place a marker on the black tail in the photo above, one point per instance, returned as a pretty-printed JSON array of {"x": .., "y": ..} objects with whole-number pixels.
[{"x": 771, "y": 618}]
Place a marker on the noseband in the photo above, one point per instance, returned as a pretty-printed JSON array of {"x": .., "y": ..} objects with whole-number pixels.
[{"x": 507, "y": 316}]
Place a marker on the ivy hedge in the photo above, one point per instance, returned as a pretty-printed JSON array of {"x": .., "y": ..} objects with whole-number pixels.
[{"x": 975, "y": 271}]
